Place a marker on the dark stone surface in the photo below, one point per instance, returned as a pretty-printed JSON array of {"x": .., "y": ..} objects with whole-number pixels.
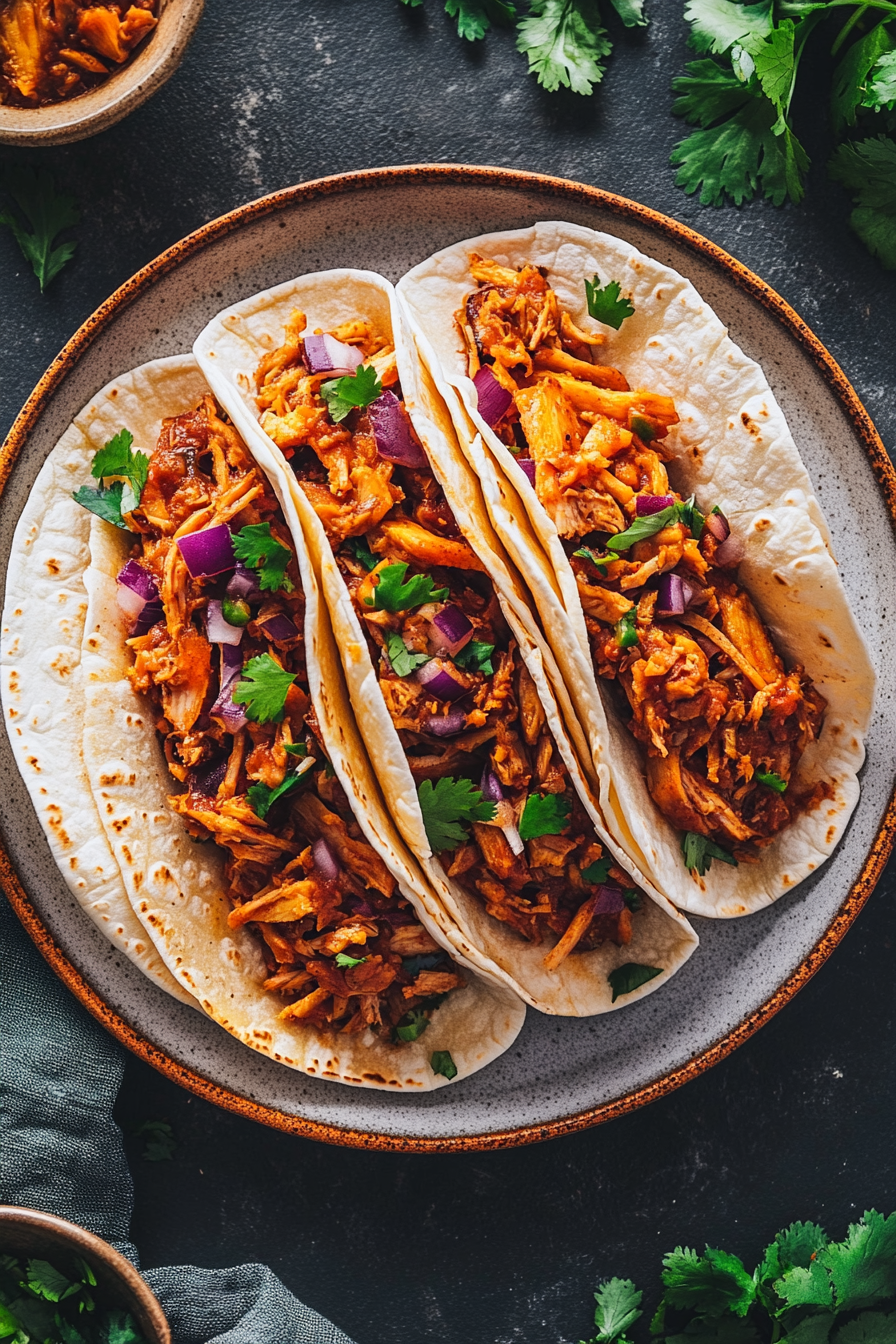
[{"x": 800, "y": 1122}]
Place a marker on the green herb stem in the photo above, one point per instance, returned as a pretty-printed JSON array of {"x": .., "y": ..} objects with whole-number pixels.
[{"x": 847, "y": 29}]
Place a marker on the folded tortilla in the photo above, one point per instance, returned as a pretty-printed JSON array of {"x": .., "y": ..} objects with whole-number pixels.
[
  {"x": 107, "y": 781},
  {"x": 228, "y": 351},
  {"x": 734, "y": 449}
]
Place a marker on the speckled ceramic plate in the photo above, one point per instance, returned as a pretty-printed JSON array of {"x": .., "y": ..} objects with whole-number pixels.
[{"x": 561, "y": 1074}]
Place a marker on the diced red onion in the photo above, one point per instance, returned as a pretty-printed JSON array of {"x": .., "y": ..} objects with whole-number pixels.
[
  {"x": 731, "y": 552},
  {"x": 647, "y": 504},
  {"x": 243, "y": 583},
  {"x": 490, "y": 786},
  {"x": 324, "y": 354},
  {"x": 279, "y": 628},
  {"x": 358, "y": 906},
  {"x": 138, "y": 580},
  {"x": 131, "y": 603},
  {"x": 138, "y": 597},
  {"x": 528, "y": 466},
  {"x": 610, "y": 901},
  {"x": 446, "y": 725},
  {"x": 151, "y": 613},
  {"x": 398, "y": 918},
  {"x": 207, "y": 552},
  {"x": 392, "y": 431},
  {"x": 718, "y": 525},
  {"x": 493, "y": 400},
  {"x": 705, "y": 644},
  {"x": 208, "y": 780},
  {"x": 325, "y": 861},
  {"x": 233, "y": 715},
  {"x": 219, "y": 630},
  {"x": 439, "y": 680},
  {"x": 451, "y": 629},
  {"x": 670, "y": 596}
]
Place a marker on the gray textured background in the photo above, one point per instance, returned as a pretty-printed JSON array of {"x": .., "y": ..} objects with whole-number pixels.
[{"x": 799, "y": 1122}]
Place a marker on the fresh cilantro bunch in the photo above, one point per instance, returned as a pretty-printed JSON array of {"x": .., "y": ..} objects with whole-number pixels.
[
  {"x": 806, "y": 1289},
  {"x": 48, "y": 213},
  {"x": 564, "y": 40},
  {"x": 129, "y": 472},
  {"x": 41, "y": 1305},
  {"x": 739, "y": 97}
]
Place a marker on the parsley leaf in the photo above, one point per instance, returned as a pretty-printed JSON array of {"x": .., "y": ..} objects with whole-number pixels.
[
  {"x": 403, "y": 661},
  {"x": 412, "y": 1025},
  {"x": 446, "y": 806},
  {"x": 599, "y": 870},
  {"x": 626, "y": 979},
  {"x": 599, "y": 561},
  {"x": 698, "y": 852},
  {"x": 772, "y": 780},
  {"x": 48, "y": 213},
  {"x": 160, "y": 1143},
  {"x": 475, "y": 657},
  {"x": 475, "y": 17},
  {"x": 440, "y": 1061},
  {"x": 605, "y": 305},
  {"x": 354, "y": 389},
  {"x": 565, "y": 44},
  {"x": 867, "y": 169},
  {"x": 344, "y": 961},
  {"x": 263, "y": 689},
  {"x": 543, "y": 815},
  {"x": 618, "y": 1307},
  {"x": 627, "y": 628},
  {"x": 362, "y": 552},
  {"x": 255, "y": 546},
  {"x": 262, "y": 797},
  {"x": 710, "y": 1283},
  {"x": 393, "y": 594}
]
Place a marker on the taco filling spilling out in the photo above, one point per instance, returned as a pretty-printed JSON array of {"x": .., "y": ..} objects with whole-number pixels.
[
  {"x": 722, "y": 721},
  {"x": 213, "y": 594},
  {"x": 496, "y": 797}
]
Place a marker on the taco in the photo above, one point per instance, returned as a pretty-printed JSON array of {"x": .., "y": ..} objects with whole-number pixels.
[
  {"x": 683, "y": 576},
  {"x": 444, "y": 661},
  {"x": 221, "y": 760}
]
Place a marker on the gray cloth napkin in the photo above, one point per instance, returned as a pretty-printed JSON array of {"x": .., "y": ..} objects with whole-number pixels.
[{"x": 61, "y": 1151}]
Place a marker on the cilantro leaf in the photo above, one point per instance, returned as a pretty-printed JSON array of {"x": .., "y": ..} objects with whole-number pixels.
[
  {"x": 105, "y": 503},
  {"x": 393, "y": 594},
  {"x": 362, "y": 552},
  {"x": 773, "y": 62},
  {"x": 852, "y": 88},
  {"x": 711, "y": 1283},
  {"x": 412, "y": 1025},
  {"x": 47, "y": 1282},
  {"x": 262, "y": 797},
  {"x": 263, "y": 689},
  {"x": 626, "y": 979},
  {"x": 344, "y": 961},
  {"x": 793, "y": 1248},
  {"x": 605, "y": 305},
  {"x": 698, "y": 853},
  {"x": 255, "y": 546},
  {"x": 772, "y": 780},
  {"x": 48, "y": 213},
  {"x": 631, "y": 12},
  {"x": 880, "y": 91},
  {"x": 295, "y": 749},
  {"x": 627, "y": 628},
  {"x": 809, "y": 1287},
  {"x": 716, "y": 25},
  {"x": 599, "y": 561},
  {"x": 475, "y": 17},
  {"x": 872, "y": 1327},
  {"x": 599, "y": 870},
  {"x": 440, "y": 1061},
  {"x": 565, "y": 44},
  {"x": 743, "y": 144},
  {"x": 867, "y": 169},
  {"x": 121, "y": 1328},
  {"x": 618, "y": 1307},
  {"x": 691, "y": 516},
  {"x": 160, "y": 1143},
  {"x": 863, "y": 1266},
  {"x": 475, "y": 657},
  {"x": 115, "y": 458},
  {"x": 644, "y": 526},
  {"x": 403, "y": 661},
  {"x": 543, "y": 815},
  {"x": 446, "y": 806},
  {"x": 342, "y": 395}
]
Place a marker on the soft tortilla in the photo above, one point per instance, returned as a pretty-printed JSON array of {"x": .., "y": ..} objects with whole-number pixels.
[
  {"x": 174, "y": 885},
  {"x": 229, "y": 350},
  {"x": 734, "y": 449}
]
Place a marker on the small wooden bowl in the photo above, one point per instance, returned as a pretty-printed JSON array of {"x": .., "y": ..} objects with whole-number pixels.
[
  {"x": 26, "y": 1233},
  {"x": 75, "y": 119}
]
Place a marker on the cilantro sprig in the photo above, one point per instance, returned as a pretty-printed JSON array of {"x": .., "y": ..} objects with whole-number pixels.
[
  {"x": 47, "y": 211},
  {"x": 772, "y": 780},
  {"x": 475, "y": 657},
  {"x": 605, "y": 305},
  {"x": 626, "y": 979},
  {"x": 115, "y": 459},
  {"x": 440, "y": 1061},
  {"x": 402, "y": 660},
  {"x": 255, "y": 546},
  {"x": 262, "y": 797},
  {"x": 263, "y": 689},
  {"x": 648, "y": 524},
  {"x": 359, "y": 389},
  {"x": 543, "y": 815},
  {"x": 447, "y": 807},
  {"x": 39, "y": 1304},
  {"x": 698, "y": 853},
  {"x": 391, "y": 593}
]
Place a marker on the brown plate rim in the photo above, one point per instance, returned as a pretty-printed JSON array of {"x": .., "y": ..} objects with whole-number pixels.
[{"x": 885, "y": 475}]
